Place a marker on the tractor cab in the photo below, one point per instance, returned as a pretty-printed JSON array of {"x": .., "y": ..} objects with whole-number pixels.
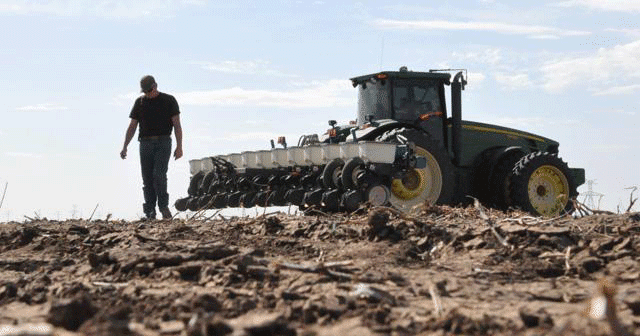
[
  {"x": 408, "y": 97},
  {"x": 405, "y": 96}
]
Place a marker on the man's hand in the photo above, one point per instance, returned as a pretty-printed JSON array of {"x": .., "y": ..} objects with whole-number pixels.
[
  {"x": 177, "y": 128},
  {"x": 178, "y": 153},
  {"x": 131, "y": 130}
]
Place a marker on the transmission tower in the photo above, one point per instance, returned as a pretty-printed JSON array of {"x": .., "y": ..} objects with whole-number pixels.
[{"x": 590, "y": 194}]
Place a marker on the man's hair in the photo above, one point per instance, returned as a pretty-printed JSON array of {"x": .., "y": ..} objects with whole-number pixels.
[{"x": 146, "y": 83}]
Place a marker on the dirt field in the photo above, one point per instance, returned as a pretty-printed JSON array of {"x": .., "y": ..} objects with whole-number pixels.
[{"x": 438, "y": 271}]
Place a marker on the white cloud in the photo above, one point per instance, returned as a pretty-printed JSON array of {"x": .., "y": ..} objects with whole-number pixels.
[
  {"x": 239, "y": 136},
  {"x": 475, "y": 78},
  {"x": 404, "y": 8},
  {"x": 611, "y": 148},
  {"x": 626, "y": 31},
  {"x": 43, "y": 107},
  {"x": 616, "y": 63},
  {"x": 618, "y": 90},
  {"x": 546, "y": 37},
  {"x": 246, "y": 138},
  {"x": 492, "y": 56},
  {"x": 23, "y": 155},
  {"x": 497, "y": 27},
  {"x": 513, "y": 81},
  {"x": 329, "y": 93},
  {"x": 126, "y": 99},
  {"x": 605, "y": 5},
  {"x": 613, "y": 110},
  {"x": 126, "y": 9},
  {"x": 255, "y": 67},
  {"x": 519, "y": 122},
  {"x": 194, "y": 2}
]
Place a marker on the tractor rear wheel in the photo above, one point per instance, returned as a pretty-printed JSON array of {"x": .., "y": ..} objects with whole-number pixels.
[
  {"x": 542, "y": 185},
  {"x": 499, "y": 194},
  {"x": 433, "y": 184}
]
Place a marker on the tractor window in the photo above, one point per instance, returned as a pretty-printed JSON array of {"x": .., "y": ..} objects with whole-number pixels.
[
  {"x": 373, "y": 99},
  {"x": 414, "y": 97}
]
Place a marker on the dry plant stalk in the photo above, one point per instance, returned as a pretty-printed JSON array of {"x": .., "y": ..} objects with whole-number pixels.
[
  {"x": 396, "y": 212},
  {"x": 94, "y": 211},
  {"x": 437, "y": 303},
  {"x": 4, "y": 193},
  {"x": 631, "y": 200},
  {"x": 584, "y": 210},
  {"x": 483, "y": 215},
  {"x": 567, "y": 256},
  {"x": 603, "y": 305},
  {"x": 562, "y": 329},
  {"x": 320, "y": 268},
  {"x": 609, "y": 290}
]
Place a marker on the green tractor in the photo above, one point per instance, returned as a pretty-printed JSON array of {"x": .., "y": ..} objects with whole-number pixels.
[{"x": 404, "y": 150}]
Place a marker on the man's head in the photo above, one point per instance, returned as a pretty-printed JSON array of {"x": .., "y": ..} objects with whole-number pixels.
[{"x": 147, "y": 84}]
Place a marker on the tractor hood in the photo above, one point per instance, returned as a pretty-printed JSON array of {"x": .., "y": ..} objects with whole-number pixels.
[
  {"x": 482, "y": 127},
  {"x": 540, "y": 142}
]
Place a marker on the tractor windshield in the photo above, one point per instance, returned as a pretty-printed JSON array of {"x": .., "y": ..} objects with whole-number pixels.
[
  {"x": 399, "y": 99},
  {"x": 411, "y": 98},
  {"x": 374, "y": 99}
]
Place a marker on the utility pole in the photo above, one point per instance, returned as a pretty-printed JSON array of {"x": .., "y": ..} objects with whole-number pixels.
[{"x": 589, "y": 196}]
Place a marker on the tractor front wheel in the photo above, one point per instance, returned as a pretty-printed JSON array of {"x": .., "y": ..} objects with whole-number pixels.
[
  {"x": 434, "y": 184},
  {"x": 543, "y": 185}
]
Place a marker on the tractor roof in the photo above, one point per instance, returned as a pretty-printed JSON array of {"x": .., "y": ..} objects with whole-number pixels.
[{"x": 442, "y": 76}]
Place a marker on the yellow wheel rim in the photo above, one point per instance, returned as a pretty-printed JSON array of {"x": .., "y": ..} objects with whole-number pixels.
[
  {"x": 418, "y": 185},
  {"x": 548, "y": 190}
]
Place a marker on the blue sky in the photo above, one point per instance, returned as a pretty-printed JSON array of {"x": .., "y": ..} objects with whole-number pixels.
[{"x": 246, "y": 72}]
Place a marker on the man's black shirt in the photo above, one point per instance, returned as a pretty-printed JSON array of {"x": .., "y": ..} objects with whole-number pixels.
[{"x": 154, "y": 114}]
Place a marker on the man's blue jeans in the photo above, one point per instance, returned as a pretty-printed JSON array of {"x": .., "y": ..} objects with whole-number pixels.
[{"x": 154, "y": 160}]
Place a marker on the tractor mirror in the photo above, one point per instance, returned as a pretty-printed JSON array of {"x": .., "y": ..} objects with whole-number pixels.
[{"x": 332, "y": 123}]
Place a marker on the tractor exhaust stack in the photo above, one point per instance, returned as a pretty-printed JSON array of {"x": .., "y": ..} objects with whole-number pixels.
[{"x": 456, "y": 116}]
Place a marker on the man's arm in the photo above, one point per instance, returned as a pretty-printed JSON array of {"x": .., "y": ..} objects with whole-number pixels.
[
  {"x": 131, "y": 130},
  {"x": 177, "y": 128}
]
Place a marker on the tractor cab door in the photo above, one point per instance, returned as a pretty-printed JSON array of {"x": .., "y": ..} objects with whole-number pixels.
[{"x": 419, "y": 101}]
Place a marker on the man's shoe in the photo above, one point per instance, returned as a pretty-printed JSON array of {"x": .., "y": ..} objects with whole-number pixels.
[
  {"x": 166, "y": 213},
  {"x": 149, "y": 217}
]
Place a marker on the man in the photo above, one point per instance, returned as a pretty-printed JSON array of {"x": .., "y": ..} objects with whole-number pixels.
[{"x": 156, "y": 113}]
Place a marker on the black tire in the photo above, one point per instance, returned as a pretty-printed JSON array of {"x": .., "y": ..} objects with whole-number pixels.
[
  {"x": 192, "y": 204},
  {"x": 331, "y": 173},
  {"x": 181, "y": 204},
  {"x": 349, "y": 173},
  {"x": 248, "y": 199},
  {"x": 437, "y": 180},
  {"x": 542, "y": 185},
  {"x": 194, "y": 184},
  {"x": 500, "y": 181},
  {"x": 206, "y": 182}
]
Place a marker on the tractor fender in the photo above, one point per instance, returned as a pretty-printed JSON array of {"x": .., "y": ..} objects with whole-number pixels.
[
  {"x": 379, "y": 127},
  {"x": 503, "y": 153}
]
